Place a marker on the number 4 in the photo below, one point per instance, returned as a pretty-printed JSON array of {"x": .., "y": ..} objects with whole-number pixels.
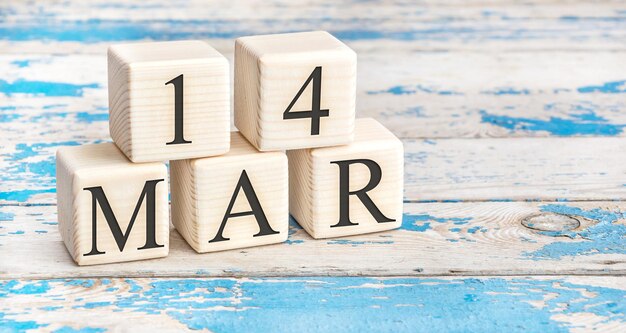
[{"x": 315, "y": 113}]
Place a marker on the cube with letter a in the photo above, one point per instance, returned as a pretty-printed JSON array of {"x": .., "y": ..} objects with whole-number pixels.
[
  {"x": 351, "y": 189},
  {"x": 168, "y": 100},
  {"x": 294, "y": 90},
  {"x": 110, "y": 209},
  {"x": 231, "y": 201}
]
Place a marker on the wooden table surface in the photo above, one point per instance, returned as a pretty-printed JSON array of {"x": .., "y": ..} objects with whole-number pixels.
[{"x": 512, "y": 116}]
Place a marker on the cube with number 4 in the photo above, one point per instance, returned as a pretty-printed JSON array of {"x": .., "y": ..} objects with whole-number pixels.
[
  {"x": 169, "y": 100},
  {"x": 295, "y": 90}
]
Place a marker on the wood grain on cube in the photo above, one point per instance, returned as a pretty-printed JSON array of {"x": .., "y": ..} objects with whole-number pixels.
[
  {"x": 133, "y": 191},
  {"x": 143, "y": 83},
  {"x": 271, "y": 70},
  {"x": 203, "y": 189},
  {"x": 315, "y": 176}
]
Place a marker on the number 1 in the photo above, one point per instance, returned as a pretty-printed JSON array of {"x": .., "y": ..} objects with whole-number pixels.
[
  {"x": 178, "y": 110},
  {"x": 315, "y": 113}
]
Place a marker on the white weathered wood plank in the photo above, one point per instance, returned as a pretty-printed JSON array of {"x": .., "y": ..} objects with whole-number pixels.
[
  {"x": 435, "y": 239},
  {"x": 435, "y": 170},
  {"x": 445, "y": 70},
  {"x": 317, "y": 304},
  {"x": 515, "y": 169},
  {"x": 420, "y": 95},
  {"x": 434, "y": 25}
]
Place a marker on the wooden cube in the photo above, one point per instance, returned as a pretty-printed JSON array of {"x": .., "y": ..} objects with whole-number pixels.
[
  {"x": 110, "y": 209},
  {"x": 168, "y": 100},
  {"x": 351, "y": 189},
  {"x": 294, "y": 90},
  {"x": 236, "y": 200}
]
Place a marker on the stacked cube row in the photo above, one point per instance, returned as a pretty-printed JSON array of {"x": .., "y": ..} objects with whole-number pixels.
[{"x": 299, "y": 151}]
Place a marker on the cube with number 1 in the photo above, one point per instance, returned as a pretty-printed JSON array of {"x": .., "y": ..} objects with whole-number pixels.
[{"x": 169, "y": 100}]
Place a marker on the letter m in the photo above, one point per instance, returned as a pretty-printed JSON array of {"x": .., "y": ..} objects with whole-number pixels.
[{"x": 98, "y": 197}]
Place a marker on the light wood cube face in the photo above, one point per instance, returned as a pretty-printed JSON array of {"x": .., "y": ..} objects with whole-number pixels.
[
  {"x": 168, "y": 100},
  {"x": 236, "y": 200},
  {"x": 110, "y": 209},
  {"x": 295, "y": 90},
  {"x": 351, "y": 189}
]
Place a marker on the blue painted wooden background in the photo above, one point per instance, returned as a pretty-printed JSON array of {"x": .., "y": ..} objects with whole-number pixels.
[{"x": 506, "y": 110}]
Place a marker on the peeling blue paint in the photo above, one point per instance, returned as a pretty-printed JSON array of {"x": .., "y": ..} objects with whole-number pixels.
[
  {"x": 414, "y": 111},
  {"x": 14, "y": 287},
  {"x": 134, "y": 287},
  {"x": 51, "y": 308},
  {"x": 43, "y": 170},
  {"x": 87, "y": 283},
  {"x": 506, "y": 91},
  {"x": 6, "y": 216},
  {"x": 606, "y": 236},
  {"x": 411, "y": 90},
  {"x": 455, "y": 225},
  {"x": 419, "y": 228},
  {"x": 589, "y": 125},
  {"x": 23, "y": 195},
  {"x": 21, "y": 63},
  {"x": 43, "y": 88},
  {"x": 93, "y": 305},
  {"x": 355, "y": 304},
  {"x": 294, "y": 227},
  {"x": 422, "y": 222},
  {"x": 67, "y": 329},
  {"x": 54, "y": 106},
  {"x": 10, "y": 325},
  {"x": 8, "y": 117},
  {"x": 528, "y": 240},
  {"x": 97, "y": 30},
  {"x": 49, "y": 28},
  {"x": 571, "y": 18},
  {"x": 24, "y": 150},
  {"x": 86, "y": 117},
  {"x": 476, "y": 229},
  {"x": 47, "y": 116},
  {"x": 355, "y": 243},
  {"x": 613, "y": 87}
]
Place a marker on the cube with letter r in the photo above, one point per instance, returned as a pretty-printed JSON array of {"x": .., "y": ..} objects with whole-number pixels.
[
  {"x": 350, "y": 189},
  {"x": 110, "y": 209},
  {"x": 295, "y": 90}
]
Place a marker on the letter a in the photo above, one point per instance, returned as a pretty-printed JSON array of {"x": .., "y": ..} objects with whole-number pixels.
[{"x": 257, "y": 211}]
